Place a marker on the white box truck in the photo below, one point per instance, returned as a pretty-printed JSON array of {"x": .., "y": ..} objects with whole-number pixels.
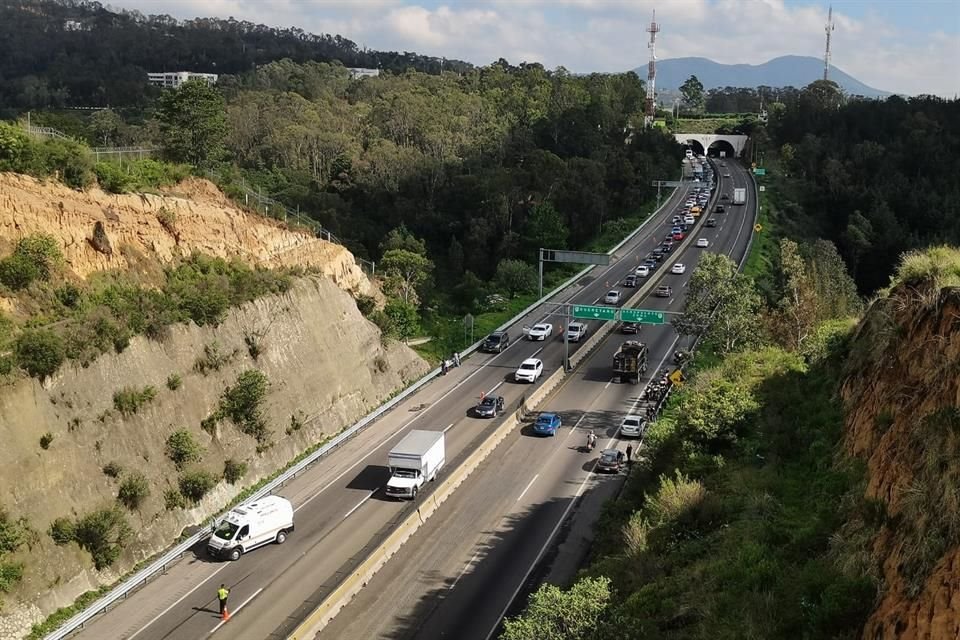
[
  {"x": 416, "y": 459},
  {"x": 739, "y": 196},
  {"x": 253, "y": 525}
]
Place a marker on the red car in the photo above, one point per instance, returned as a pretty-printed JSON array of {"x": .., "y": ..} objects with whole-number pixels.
[{"x": 678, "y": 236}]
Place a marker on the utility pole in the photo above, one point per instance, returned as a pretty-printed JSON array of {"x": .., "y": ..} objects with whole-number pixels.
[
  {"x": 651, "y": 106},
  {"x": 826, "y": 54}
]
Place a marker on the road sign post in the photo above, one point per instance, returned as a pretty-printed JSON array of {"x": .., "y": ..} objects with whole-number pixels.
[
  {"x": 593, "y": 312},
  {"x": 642, "y": 316}
]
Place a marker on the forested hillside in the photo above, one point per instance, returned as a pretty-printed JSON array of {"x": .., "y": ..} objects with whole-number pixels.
[
  {"x": 874, "y": 177},
  {"x": 56, "y": 53}
]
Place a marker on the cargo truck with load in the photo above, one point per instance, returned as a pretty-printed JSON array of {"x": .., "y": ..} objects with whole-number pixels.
[
  {"x": 416, "y": 459},
  {"x": 630, "y": 361},
  {"x": 739, "y": 195}
]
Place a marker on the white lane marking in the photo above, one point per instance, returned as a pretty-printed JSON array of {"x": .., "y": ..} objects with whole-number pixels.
[
  {"x": 242, "y": 605},
  {"x": 464, "y": 570},
  {"x": 529, "y": 484},
  {"x": 179, "y": 600},
  {"x": 495, "y": 387},
  {"x": 376, "y": 447},
  {"x": 608, "y": 384},
  {"x": 360, "y": 504},
  {"x": 448, "y": 427},
  {"x": 544, "y": 548},
  {"x": 358, "y": 462}
]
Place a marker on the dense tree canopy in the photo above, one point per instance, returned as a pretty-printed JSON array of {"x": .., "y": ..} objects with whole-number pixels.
[
  {"x": 875, "y": 177},
  {"x": 56, "y": 53}
]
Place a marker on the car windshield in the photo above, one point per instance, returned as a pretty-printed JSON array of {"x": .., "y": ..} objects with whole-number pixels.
[
  {"x": 545, "y": 420},
  {"x": 406, "y": 473},
  {"x": 539, "y": 327},
  {"x": 488, "y": 402},
  {"x": 632, "y": 422},
  {"x": 528, "y": 365},
  {"x": 608, "y": 456},
  {"x": 226, "y": 530}
]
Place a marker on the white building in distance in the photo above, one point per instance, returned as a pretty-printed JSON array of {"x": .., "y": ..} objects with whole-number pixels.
[
  {"x": 173, "y": 79},
  {"x": 359, "y": 72}
]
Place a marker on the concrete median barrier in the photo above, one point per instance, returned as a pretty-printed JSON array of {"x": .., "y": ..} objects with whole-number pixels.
[{"x": 359, "y": 577}]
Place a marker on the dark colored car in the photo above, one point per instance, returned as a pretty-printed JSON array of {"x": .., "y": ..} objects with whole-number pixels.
[
  {"x": 630, "y": 327},
  {"x": 630, "y": 281},
  {"x": 611, "y": 460},
  {"x": 496, "y": 342},
  {"x": 658, "y": 253},
  {"x": 547, "y": 424},
  {"x": 489, "y": 407},
  {"x": 720, "y": 209},
  {"x": 650, "y": 263},
  {"x": 725, "y": 197},
  {"x": 711, "y": 222},
  {"x": 663, "y": 291}
]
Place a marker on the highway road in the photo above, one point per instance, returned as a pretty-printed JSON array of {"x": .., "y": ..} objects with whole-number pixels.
[
  {"x": 527, "y": 512},
  {"x": 341, "y": 512}
]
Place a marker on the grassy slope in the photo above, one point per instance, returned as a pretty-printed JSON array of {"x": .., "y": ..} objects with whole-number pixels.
[{"x": 753, "y": 558}]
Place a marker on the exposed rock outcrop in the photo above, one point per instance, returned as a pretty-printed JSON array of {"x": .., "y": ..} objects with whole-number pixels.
[
  {"x": 133, "y": 225},
  {"x": 326, "y": 364},
  {"x": 902, "y": 398}
]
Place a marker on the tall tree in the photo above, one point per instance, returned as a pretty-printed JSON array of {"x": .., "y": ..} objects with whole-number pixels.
[
  {"x": 721, "y": 303},
  {"x": 193, "y": 124},
  {"x": 692, "y": 92},
  {"x": 404, "y": 271}
]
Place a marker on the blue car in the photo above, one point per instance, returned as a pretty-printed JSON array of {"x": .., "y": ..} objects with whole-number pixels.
[{"x": 547, "y": 424}]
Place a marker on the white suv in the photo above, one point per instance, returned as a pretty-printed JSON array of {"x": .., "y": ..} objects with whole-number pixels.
[{"x": 530, "y": 369}]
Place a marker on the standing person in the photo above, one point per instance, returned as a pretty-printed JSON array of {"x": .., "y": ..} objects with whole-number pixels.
[
  {"x": 443, "y": 367},
  {"x": 222, "y": 594},
  {"x": 629, "y": 453},
  {"x": 456, "y": 358}
]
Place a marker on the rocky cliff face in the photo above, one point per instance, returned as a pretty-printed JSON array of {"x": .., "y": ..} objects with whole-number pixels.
[
  {"x": 325, "y": 363},
  {"x": 902, "y": 398},
  {"x": 148, "y": 228}
]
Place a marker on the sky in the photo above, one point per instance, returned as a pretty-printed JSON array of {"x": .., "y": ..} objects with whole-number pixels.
[{"x": 903, "y": 46}]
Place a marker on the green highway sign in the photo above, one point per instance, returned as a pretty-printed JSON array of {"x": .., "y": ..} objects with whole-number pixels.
[
  {"x": 759, "y": 172},
  {"x": 644, "y": 316},
  {"x": 591, "y": 312}
]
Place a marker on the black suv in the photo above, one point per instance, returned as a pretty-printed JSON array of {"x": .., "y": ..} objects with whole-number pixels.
[
  {"x": 720, "y": 209},
  {"x": 711, "y": 222},
  {"x": 496, "y": 342}
]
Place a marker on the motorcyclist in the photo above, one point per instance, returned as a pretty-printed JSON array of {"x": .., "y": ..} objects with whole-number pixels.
[{"x": 591, "y": 440}]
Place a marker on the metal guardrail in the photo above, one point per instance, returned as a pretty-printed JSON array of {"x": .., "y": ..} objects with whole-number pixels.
[
  {"x": 279, "y": 211},
  {"x": 159, "y": 566}
]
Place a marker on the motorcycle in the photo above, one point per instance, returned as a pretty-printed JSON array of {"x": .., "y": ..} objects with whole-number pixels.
[{"x": 679, "y": 357}]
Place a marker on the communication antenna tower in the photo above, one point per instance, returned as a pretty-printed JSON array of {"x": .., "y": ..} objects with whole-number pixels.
[
  {"x": 826, "y": 54},
  {"x": 651, "y": 105}
]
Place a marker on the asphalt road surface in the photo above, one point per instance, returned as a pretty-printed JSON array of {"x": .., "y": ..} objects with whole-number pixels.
[
  {"x": 341, "y": 512},
  {"x": 527, "y": 512}
]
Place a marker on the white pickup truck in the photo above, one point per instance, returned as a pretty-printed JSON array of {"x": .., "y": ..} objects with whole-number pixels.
[
  {"x": 540, "y": 331},
  {"x": 576, "y": 331}
]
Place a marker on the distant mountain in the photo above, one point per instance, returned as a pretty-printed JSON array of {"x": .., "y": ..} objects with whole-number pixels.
[{"x": 785, "y": 71}]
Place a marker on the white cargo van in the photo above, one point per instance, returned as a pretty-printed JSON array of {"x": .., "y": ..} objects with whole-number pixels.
[{"x": 253, "y": 525}]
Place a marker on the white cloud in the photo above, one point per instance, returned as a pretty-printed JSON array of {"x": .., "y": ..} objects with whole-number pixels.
[{"x": 606, "y": 35}]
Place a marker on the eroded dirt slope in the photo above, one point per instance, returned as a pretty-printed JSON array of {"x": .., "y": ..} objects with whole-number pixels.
[
  {"x": 204, "y": 220},
  {"x": 902, "y": 398}
]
